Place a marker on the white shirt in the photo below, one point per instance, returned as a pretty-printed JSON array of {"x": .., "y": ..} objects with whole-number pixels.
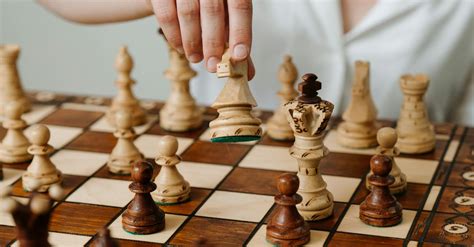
[{"x": 435, "y": 37}]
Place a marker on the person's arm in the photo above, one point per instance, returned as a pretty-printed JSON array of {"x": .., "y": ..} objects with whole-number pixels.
[{"x": 99, "y": 12}]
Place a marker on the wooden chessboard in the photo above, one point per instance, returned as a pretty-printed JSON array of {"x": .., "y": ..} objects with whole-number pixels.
[{"x": 233, "y": 184}]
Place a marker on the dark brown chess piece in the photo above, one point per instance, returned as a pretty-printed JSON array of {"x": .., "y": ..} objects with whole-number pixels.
[
  {"x": 105, "y": 240},
  {"x": 32, "y": 220},
  {"x": 286, "y": 226},
  {"x": 380, "y": 207},
  {"x": 143, "y": 216}
]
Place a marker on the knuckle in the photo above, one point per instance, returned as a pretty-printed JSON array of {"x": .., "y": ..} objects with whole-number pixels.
[
  {"x": 213, "y": 44},
  {"x": 165, "y": 17},
  {"x": 212, "y": 7},
  {"x": 192, "y": 45},
  {"x": 241, "y": 5},
  {"x": 188, "y": 9},
  {"x": 174, "y": 40}
]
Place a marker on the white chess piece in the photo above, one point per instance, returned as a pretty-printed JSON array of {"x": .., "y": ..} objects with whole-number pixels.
[
  {"x": 125, "y": 153},
  {"x": 171, "y": 186},
  {"x": 14, "y": 146},
  {"x": 41, "y": 173}
]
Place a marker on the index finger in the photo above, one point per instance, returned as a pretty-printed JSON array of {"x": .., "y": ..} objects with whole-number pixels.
[{"x": 240, "y": 28}]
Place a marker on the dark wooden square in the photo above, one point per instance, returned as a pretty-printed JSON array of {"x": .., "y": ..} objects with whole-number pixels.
[
  {"x": 436, "y": 232},
  {"x": 7, "y": 235},
  {"x": 250, "y": 180},
  {"x": 197, "y": 198},
  {"x": 194, "y": 134},
  {"x": 215, "y": 153},
  {"x": 436, "y": 154},
  {"x": 267, "y": 140},
  {"x": 72, "y": 118},
  {"x": 358, "y": 240},
  {"x": 126, "y": 243},
  {"x": 78, "y": 218},
  {"x": 411, "y": 199},
  {"x": 346, "y": 165},
  {"x": 19, "y": 166},
  {"x": 448, "y": 203},
  {"x": 444, "y": 128},
  {"x": 94, "y": 141},
  {"x": 201, "y": 231},
  {"x": 69, "y": 184}
]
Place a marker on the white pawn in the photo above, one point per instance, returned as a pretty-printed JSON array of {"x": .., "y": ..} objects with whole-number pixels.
[
  {"x": 171, "y": 186},
  {"x": 14, "y": 147},
  {"x": 278, "y": 126},
  {"x": 41, "y": 173},
  {"x": 387, "y": 138},
  {"x": 125, "y": 152}
]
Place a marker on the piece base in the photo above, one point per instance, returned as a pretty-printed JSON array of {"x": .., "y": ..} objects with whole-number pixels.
[
  {"x": 143, "y": 230},
  {"x": 15, "y": 159},
  {"x": 381, "y": 222},
  {"x": 235, "y": 139},
  {"x": 288, "y": 242}
]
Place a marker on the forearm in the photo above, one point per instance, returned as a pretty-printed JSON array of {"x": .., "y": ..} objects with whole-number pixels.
[{"x": 97, "y": 12}]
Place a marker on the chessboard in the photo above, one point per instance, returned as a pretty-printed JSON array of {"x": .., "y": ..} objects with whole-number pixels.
[{"x": 233, "y": 184}]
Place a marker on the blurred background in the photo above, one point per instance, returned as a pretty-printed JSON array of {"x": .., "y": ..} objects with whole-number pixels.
[{"x": 61, "y": 56}]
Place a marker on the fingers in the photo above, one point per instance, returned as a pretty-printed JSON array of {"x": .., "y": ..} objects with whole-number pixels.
[
  {"x": 189, "y": 21},
  {"x": 166, "y": 14},
  {"x": 213, "y": 31},
  {"x": 240, "y": 28}
]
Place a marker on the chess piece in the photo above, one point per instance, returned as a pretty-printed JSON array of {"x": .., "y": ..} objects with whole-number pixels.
[
  {"x": 387, "y": 138},
  {"x": 41, "y": 173},
  {"x": 142, "y": 215},
  {"x": 380, "y": 207},
  {"x": 278, "y": 126},
  {"x": 105, "y": 240},
  {"x": 32, "y": 220},
  {"x": 14, "y": 146},
  {"x": 359, "y": 128},
  {"x": 235, "y": 122},
  {"x": 308, "y": 116},
  {"x": 415, "y": 132},
  {"x": 10, "y": 83},
  {"x": 180, "y": 112},
  {"x": 125, "y": 153},
  {"x": 171, "y": 186},
  {"x": 125, "y": 100},
  {"x": 286, "y": 227}
]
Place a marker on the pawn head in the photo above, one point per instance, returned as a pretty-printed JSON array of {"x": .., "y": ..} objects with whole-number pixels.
[
  {"x": 387, "y": 137},
  {"x": 142, "y": 172},
  {"x": 123, "y": 120},
  {"x": 168, "y": 146},
  {"x": 39, "y": 204},
  {"x": 13, "y": 110},
  {"x": 309, "y": 88},
  {"x": 39, "y": 135},
  {"x": 381, "y": 165},
  {"x": 288, "y": 184}
]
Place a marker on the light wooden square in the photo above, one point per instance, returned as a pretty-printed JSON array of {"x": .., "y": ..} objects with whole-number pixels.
[
  {"x": 79, "y": 162},
  {"x": 172, "y": 223},
  {"x": 453, "y": 147},
  {"x": 10, "y": 176},
  {"x": 101, "y": 191},
  {"x": 330, "y": 141},
  {"x": 434, "y": 192},
  {"x": 417, "y": 170},
  {"x": 60, "y": 135},
  {"x": 148, "y": 145},
  {"x": 6, "y": 218},
  {"x": 103, "y": 125},
  {"x": 341, "y": 188},
  {"x": 203, "y": 175},
  {"x": 317, "y": 238},
  {"x": 352, "y": 224},
  {"x": 84, "y": 107},
  {"x": 63, "y": 239},
  {"x": 271, "y": 158},
  {"x": 37, "y": 113},
  {"x": 236, "y": 206}
]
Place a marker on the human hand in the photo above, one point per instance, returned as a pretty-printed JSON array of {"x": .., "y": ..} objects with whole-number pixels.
[{"x": 201, "y": 28}]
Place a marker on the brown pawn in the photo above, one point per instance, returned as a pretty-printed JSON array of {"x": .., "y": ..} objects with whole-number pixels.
[
  {"x": 380, "y": 207},
  {"x": 105, "y": 240},
  {"x": 143, "y": 216},
  {"x": 286, "y": 226}
]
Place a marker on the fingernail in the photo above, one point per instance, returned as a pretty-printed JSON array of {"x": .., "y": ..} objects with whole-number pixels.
[
  {"x": 194, "y": 58},
  {"x": 240, "y": 51},
  {"x": 212, "y": 64}
]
